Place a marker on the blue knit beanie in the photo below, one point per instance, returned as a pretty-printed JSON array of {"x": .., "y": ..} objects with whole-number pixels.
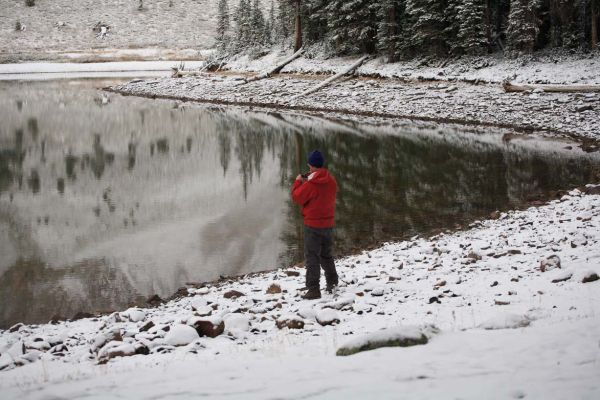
[{"x": 315, "y": 158}]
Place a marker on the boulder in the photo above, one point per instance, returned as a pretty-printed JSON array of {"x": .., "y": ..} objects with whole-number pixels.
[
  {"x": 147, "y": 326},
  {"x": 274, "y": 289},
  {"x": 134, "y": 314},
  {"x": 154, "y": 300},
  {"x": 327, "y": 316},
  {"x": 589, "y": 276},
  {"x": 115, "y": 349},
  {"x": 561, "y": 276},
  {"x": 236, "y": 324},
  {"x": 550, "y": 263},
  {"x": 289, "y": 321},
  {"x": 403, "y": 336},
  {"x": 210, "y": 327},
  {"x": 344, "y": 302},
  {"x": 181, "y": 335},
  {"x": 233, "y": 294},
  {"x": 101, "y": 339}
]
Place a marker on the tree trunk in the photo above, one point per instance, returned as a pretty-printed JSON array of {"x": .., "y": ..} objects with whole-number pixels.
[
  {"x": 333, "y": 78},
  {"x": 276, "y": 69},
  {"x": 298, "y": 34},
  {"x": 509, "y": 87},
  {"x": 594, "y": 24}
]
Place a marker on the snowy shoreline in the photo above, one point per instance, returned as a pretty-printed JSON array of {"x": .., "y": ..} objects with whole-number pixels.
[
  {"x": 390, "y": 93},
  {"x": 496, "y": 292}
]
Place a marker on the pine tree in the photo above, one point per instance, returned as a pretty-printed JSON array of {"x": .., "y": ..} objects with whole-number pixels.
[
  {"x": 427, "y": 26},
  {"x": 257, "y": 25},
  {"x": 473, "y": 30},
  {"x": 523, "y": 25},
  {"x": 315, "y": 15},
  {"x": 391, "y": 28},
  {"x": 242, "y": 26},
  {"x": 353, "y": 25},
  {"x": 222, "y": 25},
  {"x": 285, "y": 22}
]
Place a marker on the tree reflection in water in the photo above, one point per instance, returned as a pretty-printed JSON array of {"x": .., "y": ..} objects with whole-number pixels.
[{"x": 136, "y": 198}]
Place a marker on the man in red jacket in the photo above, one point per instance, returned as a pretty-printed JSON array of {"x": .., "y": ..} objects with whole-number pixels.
[{"x": 315, "y": 193}]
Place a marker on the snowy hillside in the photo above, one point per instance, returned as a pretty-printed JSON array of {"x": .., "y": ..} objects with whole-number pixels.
[{"x": 65, "y": 25}]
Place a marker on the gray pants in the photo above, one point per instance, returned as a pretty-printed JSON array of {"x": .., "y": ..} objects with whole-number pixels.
[{"x": 318, "y": 244}]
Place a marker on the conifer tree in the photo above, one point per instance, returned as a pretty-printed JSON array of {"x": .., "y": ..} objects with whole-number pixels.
[
  {"x": 222, "y": 25},
  {"x": 472, "y": 30},
  {"x": 391, "y": 29},
  {"x": 523, "y": 25},
  {"x": 353, "y": 25},
  {"x": 427, "y": 26},
  {"x": 257, "y": 25}
]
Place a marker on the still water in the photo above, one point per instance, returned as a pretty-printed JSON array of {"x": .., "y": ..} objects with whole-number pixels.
[{"x": 105, "y": 200}]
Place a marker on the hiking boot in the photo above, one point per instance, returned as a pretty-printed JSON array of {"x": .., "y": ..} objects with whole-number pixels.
[{"x": 312, "y": 294}]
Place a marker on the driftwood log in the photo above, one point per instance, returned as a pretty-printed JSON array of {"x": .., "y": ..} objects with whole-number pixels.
[
  {"x": 513, "y": 87},
  {"x": 337, "y": 76},
  {"x": 276, "y": 69}
]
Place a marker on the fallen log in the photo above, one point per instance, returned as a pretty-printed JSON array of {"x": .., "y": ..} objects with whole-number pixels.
[
  {"x": 275, "y": 70},
  {"x": 510, "y": 87},
  {"x": 333, "y": 78}
]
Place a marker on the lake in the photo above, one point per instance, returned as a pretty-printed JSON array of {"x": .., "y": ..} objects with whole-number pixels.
[{"x": 106, "y": 200}]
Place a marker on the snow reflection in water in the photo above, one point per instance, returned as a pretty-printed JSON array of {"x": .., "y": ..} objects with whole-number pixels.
[{"x": 105, "y": 200}]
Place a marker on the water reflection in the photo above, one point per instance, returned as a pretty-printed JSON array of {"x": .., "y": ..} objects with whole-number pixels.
[{"x": 137, "y": 197}]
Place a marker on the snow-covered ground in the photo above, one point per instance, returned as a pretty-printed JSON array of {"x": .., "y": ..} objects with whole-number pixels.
[
  {"x": 555, "y": 67},
  {"x": 576, "y": 114},
  {"x": 509, "y": 308}
]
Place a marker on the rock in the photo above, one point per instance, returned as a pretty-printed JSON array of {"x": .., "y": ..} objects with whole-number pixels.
[
  {"x": 154, "y": 300},
  {"x": 550, "y": 263},
  {"x": 292, "y": 273},
  {"x": 205, "y": 311},
  {"x": 562, "y": 276},
  {"x": 506, "y": 321},
  {"x": 147, "y": 326},
  {"x": 589, "y": 276},
  {"x": 474, "y": 256},
  {"x": 237, "y": 323},
  {"x": 378, "y": 291},
  {"x": 59, "y": 348},
  {"x": 495, "y": 215},
  {"x": 434, "y": 299},
  {"x": 56, "y": 319},
  {"x": 439, "y": 284},
  {"x": 181, "y": 335},
  {"x": 495, "y": 283},
  {"x": 134, "y": 314},
  {"x": 501, "y": 302},
  {"x": 210, "y": 327},
  {"x": 327, "y": 316},
  {"x": 405, "y": 336},
  {"x": 342, "y": 303},
  {"x": 233, "y": 294},
  {"x": 289, "y": 321},
  {"x": 274, "y": 289},
  {"x": 16, "y": 327},
  {"x": 582, "y": 108},
  {"x": 113, "y": 335},
  {"x": 115, "y": 349},
  {"x": 81, "y": 315}
]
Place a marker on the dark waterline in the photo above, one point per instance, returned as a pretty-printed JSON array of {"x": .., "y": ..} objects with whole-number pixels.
[{"x": 105, "y": 200}]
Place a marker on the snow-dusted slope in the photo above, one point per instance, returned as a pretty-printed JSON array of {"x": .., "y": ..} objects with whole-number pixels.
[{"x": 68, "y": 25}]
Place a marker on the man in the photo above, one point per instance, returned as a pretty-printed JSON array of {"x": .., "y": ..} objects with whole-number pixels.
[{"x": 315, "y": 193}]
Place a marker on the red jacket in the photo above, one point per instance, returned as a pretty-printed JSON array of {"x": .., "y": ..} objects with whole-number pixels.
[{"x": 316, "y": 196}]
